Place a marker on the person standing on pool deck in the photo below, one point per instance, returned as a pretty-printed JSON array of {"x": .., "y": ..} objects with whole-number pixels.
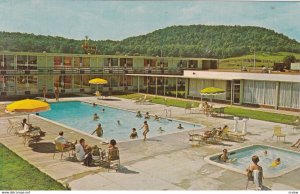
[
  {"x": 44, "y": 92},
  {"x": 146, "y": 130},
  {"x": 255, "y": 172},
  {"x": 56, "y": 93}
]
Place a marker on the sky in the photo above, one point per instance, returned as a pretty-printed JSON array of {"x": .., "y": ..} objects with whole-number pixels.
[{"x": 116, "y": 20}]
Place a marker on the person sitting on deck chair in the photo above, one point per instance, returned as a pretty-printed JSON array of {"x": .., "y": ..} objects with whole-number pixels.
[
  {"x": 80, "y": 150},
  {"x": 62, "y": 140},
  {"x": 28, "y": 127},
  {"x": 88, "y": 158}
]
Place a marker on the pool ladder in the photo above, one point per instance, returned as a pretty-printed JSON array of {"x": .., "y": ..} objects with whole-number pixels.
[{"x": 168, "y": 112}]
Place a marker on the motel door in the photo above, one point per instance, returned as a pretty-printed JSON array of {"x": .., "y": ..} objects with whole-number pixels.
[{"x": 236, "y": 91}]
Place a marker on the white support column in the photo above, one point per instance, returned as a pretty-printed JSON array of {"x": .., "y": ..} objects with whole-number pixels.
[
  {"x": 277, "y": 95},
  {"x": 147, "y": 90},
  {"x": 231, "y": 91},
  {"x": 164, "y": 81},
  {"x": 176, "y": 86},
  {"x": 156, "y": 85},
  {"x": 138, "y": 84}
]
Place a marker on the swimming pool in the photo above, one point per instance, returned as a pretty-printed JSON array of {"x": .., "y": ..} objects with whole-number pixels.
[
  {"x": 289, "y": 160},
  {"x": 79, "y": 115}
]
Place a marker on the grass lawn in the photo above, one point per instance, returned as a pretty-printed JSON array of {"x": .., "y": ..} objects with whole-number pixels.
[
  {"x": 262, "y": 59},
  {"x": 161, "y": 100},
  {"x": 18, "y": 174},
  {"x": 234, "y": 111},
  {"x": 260, "y": 115}
]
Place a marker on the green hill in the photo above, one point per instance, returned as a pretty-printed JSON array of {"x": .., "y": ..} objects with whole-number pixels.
[{"x": 186, "y": 41}]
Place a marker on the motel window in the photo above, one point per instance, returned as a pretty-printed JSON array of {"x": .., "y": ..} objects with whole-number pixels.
[
  {"x": 27, "y": 83},
  {"x": 32, "y": 62},
  {"x": 22, "y": 62},
  {"x": 126, "y": 62},
  {"x": 85, "y": 61},
  {"x": 193, "y": 63},
  {"x": 110, "y": 62},
  {"x": 150, "y": 63},
  {"x": 7, "y": 62},
  {"x": 114, "y": 81},
  {"x": 57, "y": 61},
  {"x": 126, "y": 81},
  {"x": 114, "y": 62},
  {"x": 7, "y": 83},
  {"x": 63, "y": 81},
  {"x": 107, "y": 62},
  {"x": 129, "y": 80},
  {"x": 78, "y": 62},
  {"x": 68, "y": 62},
  {"x": 182, "y": 64}
]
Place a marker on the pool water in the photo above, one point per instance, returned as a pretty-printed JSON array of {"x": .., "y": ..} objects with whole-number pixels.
[
  {"x": 289, "y": 160},
  {"x": 79, "y": 115}
]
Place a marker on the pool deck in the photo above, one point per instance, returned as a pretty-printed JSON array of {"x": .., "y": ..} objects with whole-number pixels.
[{"x": 167, "y": 162}]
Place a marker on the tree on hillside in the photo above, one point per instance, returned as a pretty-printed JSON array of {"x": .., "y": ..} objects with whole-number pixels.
[{"x": 289, "y": 59}]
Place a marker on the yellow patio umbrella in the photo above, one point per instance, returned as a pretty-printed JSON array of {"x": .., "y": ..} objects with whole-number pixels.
[
  {"x": 98, "y": 81},
  {"x": 211, "y": 91},
  {"x": 28, "y": 106}
]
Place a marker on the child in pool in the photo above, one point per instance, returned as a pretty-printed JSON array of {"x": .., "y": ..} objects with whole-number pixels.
[{"x": 276, "y": 163}]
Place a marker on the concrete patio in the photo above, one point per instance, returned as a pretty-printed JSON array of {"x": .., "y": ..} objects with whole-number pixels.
[{"x": 167, "y": 162}]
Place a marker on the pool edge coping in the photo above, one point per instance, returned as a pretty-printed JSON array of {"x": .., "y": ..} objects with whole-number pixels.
[
  {"x": 103, "y": 140},
  {"x": 209, "y": 161}
]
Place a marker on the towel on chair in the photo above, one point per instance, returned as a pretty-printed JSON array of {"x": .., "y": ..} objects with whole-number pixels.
[{"x": 257, "y": 179}]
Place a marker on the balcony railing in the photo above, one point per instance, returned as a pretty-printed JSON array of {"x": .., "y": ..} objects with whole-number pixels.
[{"x": 91, "y": 71}]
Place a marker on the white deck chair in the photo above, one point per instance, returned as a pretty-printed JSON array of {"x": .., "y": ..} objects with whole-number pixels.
[{"x": 14, "y": 126}]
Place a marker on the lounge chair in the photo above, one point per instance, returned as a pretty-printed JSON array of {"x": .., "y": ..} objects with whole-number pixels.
[
  {"x": 198, "y": 109},
  {"x": 278, "y": 133},
  {"x": 97, "y": 94},
  {"x": 14, "y": 126},
  {"x": 203, "y": 138},
  {"x": 226, "y": 134},
  {"x": 61, "y": 149},
  {"x": 113, "y": 157},
  {"x": 142, "y": 100}
]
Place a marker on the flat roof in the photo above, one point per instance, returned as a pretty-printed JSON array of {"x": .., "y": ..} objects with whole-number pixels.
[
  {"x": 99, "y": 55},
  {"x": 229, "y": 76}
]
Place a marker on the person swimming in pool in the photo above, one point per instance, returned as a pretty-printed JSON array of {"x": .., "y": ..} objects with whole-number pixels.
[
  {"x": 160, "y": 129},
  {"x": 119, "y": 123},
  {"x": 147, "y": 116},
  {"x": 276, "y": 163},
  {"x": 180, "y": 126},
  {"x": 139, "y": 114},
  {"x": 156, "y": 118},
  {"x": 96, "y": 117},
  {"x": 224, "y": 156}
]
